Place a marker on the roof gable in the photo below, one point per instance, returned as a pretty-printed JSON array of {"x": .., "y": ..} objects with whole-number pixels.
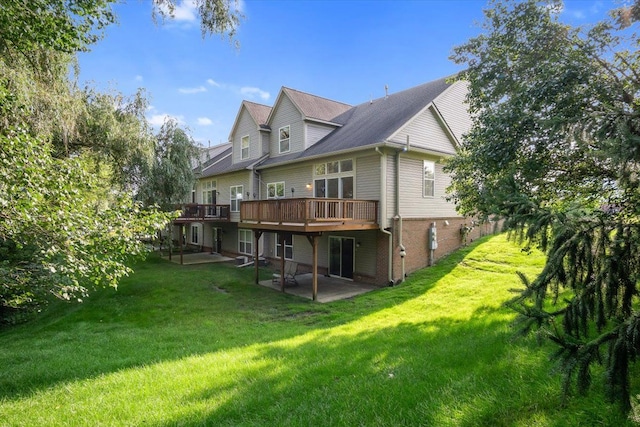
[
  {"x": 258, "y": 113},
  {"x": 311, "y": 107}
]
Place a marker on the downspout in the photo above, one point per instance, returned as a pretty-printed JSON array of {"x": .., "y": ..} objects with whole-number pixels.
[
  {"x": 403, "y": 251},
  {"x": 383, "y": 213}
]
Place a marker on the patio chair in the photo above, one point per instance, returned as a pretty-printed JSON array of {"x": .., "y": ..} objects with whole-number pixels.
[{"x": 290, "y": 272}]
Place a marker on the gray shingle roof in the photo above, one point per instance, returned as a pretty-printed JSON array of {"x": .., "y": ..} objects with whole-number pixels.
[
  {"x": 315, "y": 107},
  {"x": 258, "y": 112},
  {"x": 372, "y": 122}
]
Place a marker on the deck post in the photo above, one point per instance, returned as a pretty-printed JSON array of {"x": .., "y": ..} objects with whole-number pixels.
[
  {"x": 314, "y": 274},
  {"x": 171, "y": 228},
  {"x": 256, "y": 259},
  {"x": 282, "y": 278},
  {"x": 181, "y": 242}
]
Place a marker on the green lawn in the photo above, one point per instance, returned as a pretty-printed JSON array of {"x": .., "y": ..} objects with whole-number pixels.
[{"x": 202, "y": 345}]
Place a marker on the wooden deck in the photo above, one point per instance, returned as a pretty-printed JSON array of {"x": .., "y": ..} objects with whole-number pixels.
[
  {"x": 309, "y": 215},
  {"x": 203, "y": 213}
]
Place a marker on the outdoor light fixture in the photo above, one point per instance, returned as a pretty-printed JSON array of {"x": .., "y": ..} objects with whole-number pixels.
[{"x": 308, "y": 186}]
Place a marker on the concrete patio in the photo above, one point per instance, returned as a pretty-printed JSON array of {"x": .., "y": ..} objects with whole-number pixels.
[
  {"x": 329, "y": 288},
  {"x": 197, "y": 258}
]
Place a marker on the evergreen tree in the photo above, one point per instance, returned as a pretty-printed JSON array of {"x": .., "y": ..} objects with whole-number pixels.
[{"x": 555, "y": 151}]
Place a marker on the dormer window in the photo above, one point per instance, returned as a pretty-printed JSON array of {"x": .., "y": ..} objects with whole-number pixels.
[
  {"x": 244, "y": 148},
  {"x": 284, "y": 139}
]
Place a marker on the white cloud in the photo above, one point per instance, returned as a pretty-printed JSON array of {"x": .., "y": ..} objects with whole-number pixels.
[
  {"x": 254, "y": 91},
  {"x": 159, "y": 119},
  {"x": 204, "y": 121},
  {"x": 190, "y": 90},
  {"x": 213, "y": 83},
  {"x": 138, "y": 78}
]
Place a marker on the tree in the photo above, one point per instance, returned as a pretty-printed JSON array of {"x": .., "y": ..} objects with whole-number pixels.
[
  {"x": 56, "y": 236},
  {"x": 216, "y": 16},
  {"x": 170, "y": 179},
  {"x": 555, "y": 151}
]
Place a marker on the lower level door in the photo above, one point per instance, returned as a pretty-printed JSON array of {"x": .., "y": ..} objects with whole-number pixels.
[
  {"x": 341, "y": 256},
  {"x": 217, "y": 240}
]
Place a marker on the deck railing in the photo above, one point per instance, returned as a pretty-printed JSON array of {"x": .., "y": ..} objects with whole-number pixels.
[
  {"x": 304, "y": 210},
  {"x": 204, "y": 212}
]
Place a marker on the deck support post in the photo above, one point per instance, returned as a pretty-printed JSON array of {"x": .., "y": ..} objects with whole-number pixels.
[
  {"x": 171, "y": 228},
  {"x": 181, "y": 241},
  {"x": 256, "y": 259},
  {"x": 314, "y": 274},
  {"x": 282, "y": 278},
  {"x": 313, "y": 239}
]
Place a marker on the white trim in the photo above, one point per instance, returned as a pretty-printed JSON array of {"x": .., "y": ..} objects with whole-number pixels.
[
  {"x": 275, "y": 185},
  {"x": 248, "y": 147},
  {"x": 424, "y": 180},
  {"x": 280, "y": 151},
  {"x": 277, "y": 244},
  {"x": 242, "y": 232},
  {"x": 237, "y": 199}
]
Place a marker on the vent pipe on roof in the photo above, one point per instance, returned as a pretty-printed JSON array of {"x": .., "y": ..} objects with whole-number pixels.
[{"x": 386, "y": 91}]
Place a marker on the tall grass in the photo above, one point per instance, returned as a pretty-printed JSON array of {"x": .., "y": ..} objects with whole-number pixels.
[{"x": 202, "y": 345}]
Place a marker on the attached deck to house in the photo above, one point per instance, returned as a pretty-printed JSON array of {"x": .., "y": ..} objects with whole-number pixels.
[
  {"x": 194, "y": 212},
  {"x": 309, "y": 215}
]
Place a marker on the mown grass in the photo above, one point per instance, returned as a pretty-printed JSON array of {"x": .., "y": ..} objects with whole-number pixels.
[{"x": 202, "y": 345}]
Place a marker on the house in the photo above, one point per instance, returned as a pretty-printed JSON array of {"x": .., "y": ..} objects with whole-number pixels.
[{"x": 356, "y": 192}]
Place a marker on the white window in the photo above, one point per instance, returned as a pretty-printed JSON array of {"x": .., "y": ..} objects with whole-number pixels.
[
  {"x": 195, "y": 234},
  {"x": 275, "y": 190},
  {"x": 335, "y": 179},
  {"x": 283, "y": 135},
  {"x": 236, "y": 197},
  {"x": 288, "y": 246},
  {"x": 429, "y": 185},
  {"x": 209, "y": 193},
  {"x": 245, "y": 241},
  {"x": 244, "y": 148}
]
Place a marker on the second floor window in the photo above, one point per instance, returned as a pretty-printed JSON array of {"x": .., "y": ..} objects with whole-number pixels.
[
  {"x": 209, "y": 193},
  {"x": 429, "y": 186},
  {"x": 244, "y": 148},
  {"x": 284, "y": 139},
  {"x": 275, "y": 190},
  {"x": 236, "y": 197},
  {"x": 334, "y": 179}
]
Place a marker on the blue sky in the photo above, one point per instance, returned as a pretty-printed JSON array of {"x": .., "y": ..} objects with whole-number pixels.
[{"x": 342, "y": 50}]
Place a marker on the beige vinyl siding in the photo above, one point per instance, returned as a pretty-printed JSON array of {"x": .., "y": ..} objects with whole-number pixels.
[
  {"x": 365, "y": 254},
  {"x": 454, "y": 109},
  {"x": 207, "y": 234},
  {"x": 316, "y": 132},
  {"x": 286, "y": 114},
  {"x": 296, "y": 177},
  {"x": 246, "y": 126},
  {"x": 412, "y": 203},
  {"x": 264, "y": 142},
  {"x": 224, "y": 187},
  {"x": 425, "y": 131},
  {"x": 367, "y": 177}
]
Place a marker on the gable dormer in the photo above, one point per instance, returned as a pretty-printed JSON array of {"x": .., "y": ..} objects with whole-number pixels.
[
  {"x": 298, "y": 120},
  {"x": 250, "y": 134}
]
